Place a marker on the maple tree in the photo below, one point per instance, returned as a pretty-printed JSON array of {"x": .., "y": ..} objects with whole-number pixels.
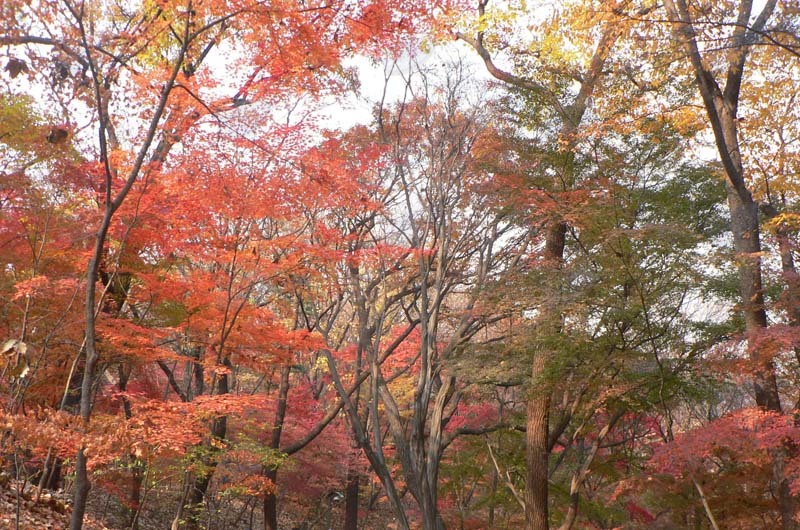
[
  {"x": 151, "y": 58},
  {"x": 721, "y": 100},
  {"x": 410, "y": 272},
  {"x": 546, "y": 83}
]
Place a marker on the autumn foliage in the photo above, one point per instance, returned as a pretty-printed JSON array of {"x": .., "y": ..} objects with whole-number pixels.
[{"x": 385, "y": 264}]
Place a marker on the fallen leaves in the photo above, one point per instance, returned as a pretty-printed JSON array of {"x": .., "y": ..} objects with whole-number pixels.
[{"x": 51, "y": 511}]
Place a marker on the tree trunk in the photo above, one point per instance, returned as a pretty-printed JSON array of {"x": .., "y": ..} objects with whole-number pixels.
[
  {"x": 747, "y": 244},
  {"x": 82, "y": 482},
  {"x": 271, "y": 500},
  {"x": 431, "y": 519},
  {"x": 81, "y": 494},
  {"x": 537, "y": 433},
  {"x": 536, "y": 454},
  {"x": 351, "y": 498},
  {"x": 374, "y": 456},
  {"x": 271, "y": 503},
  {"x": 54, "y": 475},
  {"x": 135, "y": 466},
  {"x": 199, "y": 484},
  {"x": 721, "y": 104}
]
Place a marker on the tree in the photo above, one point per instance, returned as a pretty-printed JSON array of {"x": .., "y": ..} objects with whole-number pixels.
[
  {"x": 415, "y": 271},
  {"x": 742, "y": 30},
  {"x": 489, "y": 300},
  {"x": 548, "y": 83},
  {"x": 147, "y": 66}
]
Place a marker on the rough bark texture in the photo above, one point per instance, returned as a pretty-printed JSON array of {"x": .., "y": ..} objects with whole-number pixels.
[
  {"x": 537, "y": 436},
  {"x": 721, "y": 103},
  {"x": 746, "y": 240},
  {"x": 536, "y": 456}
]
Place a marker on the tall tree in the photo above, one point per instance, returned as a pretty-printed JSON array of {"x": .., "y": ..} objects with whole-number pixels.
[
  {"x": 721, "y": 102},
  {"x": 146, "y": 66},
  {"x": 548, "y": 83},
  {"x": 415, "y": 277},
  {"x": 719, "y": 78}
]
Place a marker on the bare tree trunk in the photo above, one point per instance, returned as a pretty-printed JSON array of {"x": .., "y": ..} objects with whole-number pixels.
[
  {"x": 271, "y": 500},
  {"x": 537, "y": 436},
  {"x": 81, "y": 494},
  {"x": 746, "y": 240},
  {"x": 375, "y": 457},
  {"x": 785, "y": 498},
  {"x": 352, "y": 490},
  {"x": 351, "y": 499},
  {"x": 536, "y": 455}
]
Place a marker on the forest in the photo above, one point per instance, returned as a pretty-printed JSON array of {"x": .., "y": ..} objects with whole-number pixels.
[{"x": 386, "y": 264}]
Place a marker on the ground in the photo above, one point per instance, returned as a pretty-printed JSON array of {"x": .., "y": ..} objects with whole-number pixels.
[
  {"x": 22, "y": 512},
  {"x": 52, "y": 511}
]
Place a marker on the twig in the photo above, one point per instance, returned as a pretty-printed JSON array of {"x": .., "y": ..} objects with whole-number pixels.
[{"x": 507, "y": 478}]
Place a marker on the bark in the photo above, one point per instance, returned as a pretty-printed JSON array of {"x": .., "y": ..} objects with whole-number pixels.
[
  {"x": 50, "y": 474},
  {"x": 537, "y": 435},
  {"x": 351, "y": 499},
  {"x": 721, "y": 104},
  {"x": 375, "y": 457},
  {"x": 579, "y": 477},
  {"x": 270, "y": 507},
  {"x": 791, "y": 300},
  {"x": 199, "y": 484},
  {"x": 271, "y": 503},
  {"x": 270, "y": 500},
  {"x": 746, "y": 240},
  {"x": 536, "y": 456},
  {"x": 352, "y": 490},
  {"x": 111, "y": 205},
  {"x": 81, "y": 493},
  {"x": 706, "y": 506}
]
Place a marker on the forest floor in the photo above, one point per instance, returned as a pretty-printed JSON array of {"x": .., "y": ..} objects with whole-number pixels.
[
  {"x": 21, "y": 511},
  {"x": 52, "y": 512}
]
